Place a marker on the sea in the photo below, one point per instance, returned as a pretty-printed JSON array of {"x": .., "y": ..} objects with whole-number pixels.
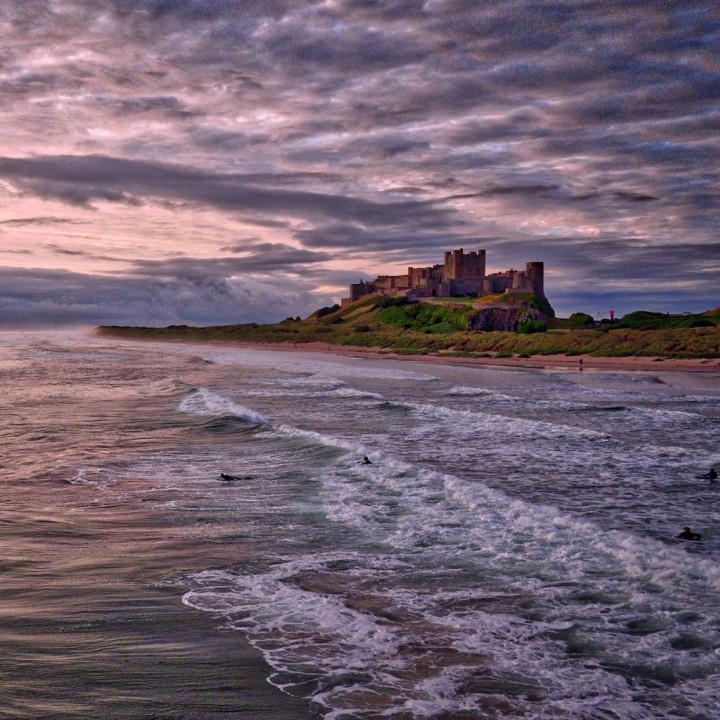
[{"x": 508, "y": 552}]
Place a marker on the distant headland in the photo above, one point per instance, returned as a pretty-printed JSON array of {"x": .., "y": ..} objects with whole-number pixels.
[{"x": 456, "y": 311}]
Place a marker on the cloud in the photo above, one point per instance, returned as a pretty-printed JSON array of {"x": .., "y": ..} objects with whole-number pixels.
[
  {"x": 211, "y": 140},
  {"x": 264, "y": 258},
  {"x": 41, "y": 299},
  {"x": 59, "y": 250},
  {"x": 22, "y": 222},
  {"x": 78, "y": 180}
]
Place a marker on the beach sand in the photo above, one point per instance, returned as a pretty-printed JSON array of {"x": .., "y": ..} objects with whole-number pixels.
[{"x": 538, "y": 362}]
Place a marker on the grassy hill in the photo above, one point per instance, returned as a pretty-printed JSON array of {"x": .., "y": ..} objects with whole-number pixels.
[
  {"x": 442, "y": 328},
  {"x": 643, "y": 320}
]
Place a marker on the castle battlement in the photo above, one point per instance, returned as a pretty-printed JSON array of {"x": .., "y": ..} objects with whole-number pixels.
[{"x": 461, "y": 275}]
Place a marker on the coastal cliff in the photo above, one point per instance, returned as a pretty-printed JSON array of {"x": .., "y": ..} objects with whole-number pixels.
[{"x": 507, "y": 319}]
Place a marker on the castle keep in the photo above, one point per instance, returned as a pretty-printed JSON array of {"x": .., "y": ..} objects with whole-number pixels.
[{"x": 462, "y": 274}]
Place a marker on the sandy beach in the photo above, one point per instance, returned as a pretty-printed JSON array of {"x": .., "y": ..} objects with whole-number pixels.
[{"x": 538, "y": 362}]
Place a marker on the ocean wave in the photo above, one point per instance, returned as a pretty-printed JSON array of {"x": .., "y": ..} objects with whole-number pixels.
[{"x": 204, "y": 402}]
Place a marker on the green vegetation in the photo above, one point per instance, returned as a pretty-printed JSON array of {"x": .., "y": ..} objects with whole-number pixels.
[
  {"x": 643, "y": 320},
  {"x": 580, "y": 320},
  {"x": 425, "y": 317},
  {"x": 531, "y": 326},
  {"x": 396, "y": 325},
  {"x": 329, "y": 310},
  {"x": 456, "y": 300}
]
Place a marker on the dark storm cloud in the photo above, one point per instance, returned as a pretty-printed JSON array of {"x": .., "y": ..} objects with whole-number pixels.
[
  {"x": 170, "y": 106},
  {"x": 633, "y": 196},
  {"x": 221, "y": 140},
  {"x": 549, "y": 193},
  {"x": 34, "y": 298},
  {"x": 571, "y": 131},
  {"x": 518, "y": 125},
  {"x": 349, "y": 49},
  {"x": 79, "y": 180},
  {"x": 274, "y": 258},
  {"x": 32, "y": 83},
  {"x": 394, "y": 242},
  {"x": 520, "y": 190}
]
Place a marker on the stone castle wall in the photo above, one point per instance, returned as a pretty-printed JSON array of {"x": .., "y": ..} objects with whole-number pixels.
[{"x": 462, "y": 274}]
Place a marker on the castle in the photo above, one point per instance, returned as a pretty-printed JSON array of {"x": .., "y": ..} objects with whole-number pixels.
[{"x": 462, "y": 274}]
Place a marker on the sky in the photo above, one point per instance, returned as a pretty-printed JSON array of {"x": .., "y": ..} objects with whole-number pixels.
[{"x": 223, "y": 161}]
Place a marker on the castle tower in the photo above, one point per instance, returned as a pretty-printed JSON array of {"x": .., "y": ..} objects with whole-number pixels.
[
  {"x": 453, "y": 264},
  {"x": 535, "y": 274},
  {"x": 459, "y": 265},
  {"x": 474, "y": 264}
]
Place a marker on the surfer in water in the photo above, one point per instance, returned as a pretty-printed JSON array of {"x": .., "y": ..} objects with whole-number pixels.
[
  {"x": 711, "y": 475},
  {"x": 365, "y": 461},
  {"x": 688, "y": 534}
]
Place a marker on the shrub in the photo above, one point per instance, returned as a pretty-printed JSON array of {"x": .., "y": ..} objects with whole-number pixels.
[
  {"x": 580, "y": 320},
  {"x": 386, "y": 301},
  {"x": 424, "y": 317},
  {"x": 322, "y": 312},
  {"x": 696, "y": 322},
  {"x": 532, "y": 326}
]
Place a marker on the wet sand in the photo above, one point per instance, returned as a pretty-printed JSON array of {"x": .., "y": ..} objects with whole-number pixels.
[{"x": 538, "y": 362}]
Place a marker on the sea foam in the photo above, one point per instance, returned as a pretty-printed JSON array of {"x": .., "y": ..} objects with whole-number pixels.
[{"x": 206, "y": 403}]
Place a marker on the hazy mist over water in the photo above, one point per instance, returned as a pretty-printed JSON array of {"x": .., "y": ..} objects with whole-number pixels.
[{"x": 508, "y": 553}]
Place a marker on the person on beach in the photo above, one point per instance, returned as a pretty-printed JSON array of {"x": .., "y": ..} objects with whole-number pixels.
[
  {"x": 581, "y": 364},
  {"x": 688, "y": 534}
]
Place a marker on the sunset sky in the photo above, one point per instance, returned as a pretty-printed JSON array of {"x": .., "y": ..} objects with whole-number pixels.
[{"x": 223, "y": 161}]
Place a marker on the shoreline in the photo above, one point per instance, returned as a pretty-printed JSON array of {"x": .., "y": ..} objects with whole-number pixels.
[
  {"x": 534, "y": 362},
  {"x": 537, "y": 362}
]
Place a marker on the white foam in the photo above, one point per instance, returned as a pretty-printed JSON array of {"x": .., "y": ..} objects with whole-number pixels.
[
  {"x": 488, "y": 421},
  {"x": 353, "y": 393},
  {"x": 321, "y": 622},
  {"x": 320, "y": 439},
  {"x": 206, "y": 403},
  {"x": 320, "y": 385}
]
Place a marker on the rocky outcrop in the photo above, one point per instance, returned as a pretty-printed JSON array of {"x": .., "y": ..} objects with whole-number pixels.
[{"x": 505, "y": 318}]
